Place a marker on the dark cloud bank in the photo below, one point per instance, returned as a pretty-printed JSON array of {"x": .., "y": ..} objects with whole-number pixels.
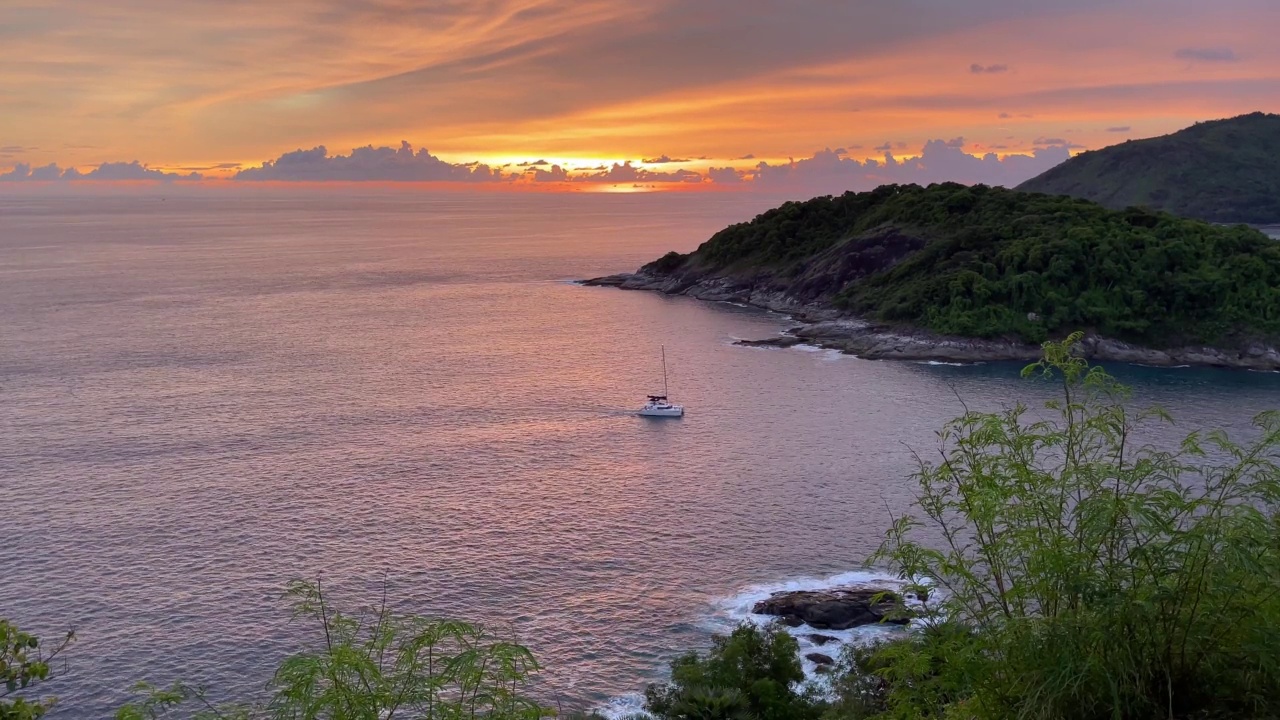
[
  {"x": 940, "y": 160},
  {"x": 106, "y": 171},
  {"x": 827, "y": 171}
]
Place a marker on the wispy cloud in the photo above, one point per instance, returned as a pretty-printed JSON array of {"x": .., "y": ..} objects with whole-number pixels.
[
  {"x": 1119, "y": 129},
  {"x": 609, "y": 78},
  {"x": 1207, "y": 55}
]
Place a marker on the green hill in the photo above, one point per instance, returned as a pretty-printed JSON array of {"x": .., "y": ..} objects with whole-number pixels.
[
  {"x": 996, "y": 263},
  {"x": 1220, "y": 171}
]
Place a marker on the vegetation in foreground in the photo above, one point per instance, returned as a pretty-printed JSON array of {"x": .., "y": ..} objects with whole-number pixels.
[
  {"x": 1224, "y": 171},
  {"x": 995, "y": 263},
  {"x": 1071, "y": 573},
  {"x": 372, "y": 665}
]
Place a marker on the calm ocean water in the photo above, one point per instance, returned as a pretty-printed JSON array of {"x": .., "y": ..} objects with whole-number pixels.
[{"x": 205, "y": 396}]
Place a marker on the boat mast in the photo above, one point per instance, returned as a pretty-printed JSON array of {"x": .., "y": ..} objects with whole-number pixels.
[{"x": 664, "y": 370}]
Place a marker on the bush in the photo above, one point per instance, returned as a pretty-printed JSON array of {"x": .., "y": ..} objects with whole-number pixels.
[
  {"x": 1089, "y": 576},
  {"x": 750, "y": 673},
  {"x": 373, "y": 666},
  {"x": 24, "y": 664}
]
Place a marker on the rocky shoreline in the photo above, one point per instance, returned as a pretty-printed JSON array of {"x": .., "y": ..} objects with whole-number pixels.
[
  {"x": 833, "y": 609},
  {"x": 826, "y": 327}
]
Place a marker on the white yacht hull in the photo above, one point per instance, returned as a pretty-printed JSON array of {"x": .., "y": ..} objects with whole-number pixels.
[{"x": 673, "y": 411}]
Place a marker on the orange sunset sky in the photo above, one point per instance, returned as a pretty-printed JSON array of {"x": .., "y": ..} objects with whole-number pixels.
[{"x": 689, "y": 91}]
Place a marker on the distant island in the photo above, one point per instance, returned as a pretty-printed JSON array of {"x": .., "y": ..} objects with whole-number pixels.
[
  {"x": 956, "y": 273},
  {"x": 1224, "y": 171}
]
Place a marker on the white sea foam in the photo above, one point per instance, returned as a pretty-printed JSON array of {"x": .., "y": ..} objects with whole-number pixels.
[
  {"x": 626, "y": 706},
  {"x": 948, "y": 364},
  {"x": 732, "y": 611},
  {"x": 805, "y": 347},
  {"x": 729, "y": 612}
]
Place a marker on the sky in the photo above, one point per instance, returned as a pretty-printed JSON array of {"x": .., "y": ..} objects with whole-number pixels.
[{"x": 696, "y": 94}]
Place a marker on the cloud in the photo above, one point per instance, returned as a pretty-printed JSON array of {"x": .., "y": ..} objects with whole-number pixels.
[
  {"x": 663, "y": 160},
  {"x": 884, "y": 148},
  {"x": 128, "y": 171},
  {"x": 627, "y": 173},
  {"x": 367, "y": 163},
  {"x": 978, "y": 69},
  {"x": 748, "y": 156},
  {"x": 533, "y": 163},
  {"x": 1057, "y": 142},
  {"x": 828, "y": 173},
  {"x": 1207, "y": 55},
  {"x": 106, "y": 171},
  {"x": 725, "y": 175},
  {"x": 1004, "y": 116},
  {"x": 555, "y": 174},
  {"x": 1119, "y": 129},
  {"x": 956, "y": 142},
  {"x": 216, "y": 166}
]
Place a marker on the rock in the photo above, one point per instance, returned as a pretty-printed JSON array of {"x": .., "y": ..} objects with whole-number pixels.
[
  {"x": 839, "y": 614},
  {"x": 820, "y": 640},
  {"x": 835, "y": 609},
  {"x": 819, "y": 658},
  {"x": 811, "y": 299},
  {"x": 822, "y": 669},
  {"x": 607, "y": 281},
  {"x": 784, "y": 341}
]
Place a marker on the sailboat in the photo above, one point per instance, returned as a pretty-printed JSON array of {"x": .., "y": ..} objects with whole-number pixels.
[{"x": 658, "y": 406}]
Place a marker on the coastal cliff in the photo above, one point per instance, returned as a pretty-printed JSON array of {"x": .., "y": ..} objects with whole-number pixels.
[
  {"x": 956, "y": 274},
  {"x": 825, "y": 327}
]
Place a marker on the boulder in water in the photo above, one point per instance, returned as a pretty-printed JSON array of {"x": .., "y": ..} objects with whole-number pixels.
[{"x": 834, "y": 609}]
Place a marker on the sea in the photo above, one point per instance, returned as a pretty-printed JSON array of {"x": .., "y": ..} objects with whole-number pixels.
[{"x": 206, "y": 394}]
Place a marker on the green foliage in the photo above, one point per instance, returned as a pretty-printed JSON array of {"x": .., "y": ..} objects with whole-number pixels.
[
  {"x": 787, "y": 236},
  {"x": 918, "y": 676},
  {"x": 989, "y": 262},
  {"x": 1076, "y": 573},
  {"x": 750, "y": 673},
  {"x": 1222, "y": 171},
  {"x": 375, "y": 666},
  {"x": 155, "y": 702},
  {"x": 667, "y": 263},
  {"x": 24, "y": 664}
]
